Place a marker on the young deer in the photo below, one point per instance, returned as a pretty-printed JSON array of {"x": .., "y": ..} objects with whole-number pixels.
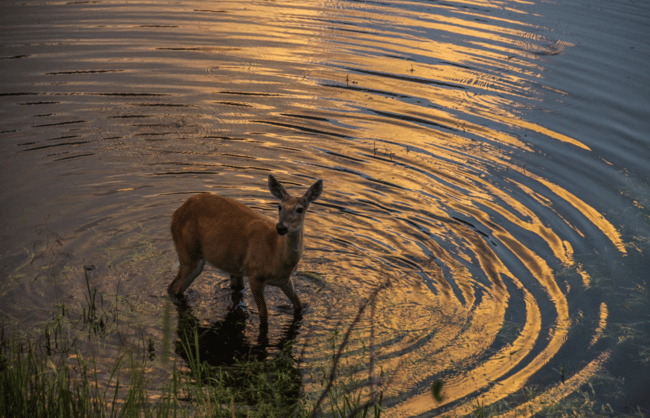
[{"x": 240, "y": 242}]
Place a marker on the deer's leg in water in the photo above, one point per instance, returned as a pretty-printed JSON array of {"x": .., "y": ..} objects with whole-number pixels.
[{"x": 187, "y": 272}]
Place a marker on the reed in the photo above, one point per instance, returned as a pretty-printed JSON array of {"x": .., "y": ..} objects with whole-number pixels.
[{"x": 37, "y": 380}]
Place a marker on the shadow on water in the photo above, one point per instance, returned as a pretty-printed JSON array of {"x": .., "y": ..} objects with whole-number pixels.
[{"x": 222, "y": 350}]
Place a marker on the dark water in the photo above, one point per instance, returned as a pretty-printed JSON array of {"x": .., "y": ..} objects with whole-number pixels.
[{"x": 487, "y": 159}]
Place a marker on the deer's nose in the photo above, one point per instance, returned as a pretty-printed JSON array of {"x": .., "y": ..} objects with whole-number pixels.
[{"x": 282, "y": 229}]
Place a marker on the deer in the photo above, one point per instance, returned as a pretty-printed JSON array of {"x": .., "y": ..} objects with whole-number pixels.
[{"x": 241, "y": 242}]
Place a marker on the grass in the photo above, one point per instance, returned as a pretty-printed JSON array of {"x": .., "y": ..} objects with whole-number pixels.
[
  {"x": 48, "y": 376},
  {"x": 35, "y": 384}
]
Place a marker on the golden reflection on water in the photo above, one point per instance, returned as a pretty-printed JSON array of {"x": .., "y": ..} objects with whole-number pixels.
[
  {"x": 536, "y": 128},
  {"x": 558, "y": 392},
  {"x": 602, "y": 323},
  {"x": 411, "y": 119},
  {"x": 444, "y": 133},
  {"x": 421, "y": 128},
  {"x": 590, "y": 213}
]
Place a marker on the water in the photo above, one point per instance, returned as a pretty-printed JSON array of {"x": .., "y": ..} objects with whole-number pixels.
[{"x": 488, "y": 160}]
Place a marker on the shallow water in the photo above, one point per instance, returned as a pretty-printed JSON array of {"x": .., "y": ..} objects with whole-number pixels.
[{"x": 488, "y": 160}]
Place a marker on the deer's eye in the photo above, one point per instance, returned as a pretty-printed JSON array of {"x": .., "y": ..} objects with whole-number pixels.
[
  {"x": 300, "y": 210},
  {"x": 279, "y": 207}
]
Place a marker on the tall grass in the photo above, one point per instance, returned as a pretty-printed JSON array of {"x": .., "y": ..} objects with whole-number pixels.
[
  {"x": 33, "y": 384},
  {"x": 49, "y": 377}
]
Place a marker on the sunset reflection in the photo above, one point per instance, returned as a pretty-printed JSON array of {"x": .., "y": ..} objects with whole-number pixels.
[{"x": 445, "y": 183}]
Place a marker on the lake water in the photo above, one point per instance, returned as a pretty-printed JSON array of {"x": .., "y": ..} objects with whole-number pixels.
[{"x": 489, "y": 160}]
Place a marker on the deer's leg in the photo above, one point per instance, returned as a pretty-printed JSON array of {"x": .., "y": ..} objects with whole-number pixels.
[
  {"x": 237, "y": 285},
  {"x": 187, "y": 272},
  {"x": 257, "y": 288},
  {"x": 289, "y": 290},
  {"x": 189, "y": 253},
  {"x": 237, "y": 282}
]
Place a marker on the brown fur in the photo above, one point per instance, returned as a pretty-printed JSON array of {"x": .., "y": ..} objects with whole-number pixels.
[{"x": 240, "y": 242}]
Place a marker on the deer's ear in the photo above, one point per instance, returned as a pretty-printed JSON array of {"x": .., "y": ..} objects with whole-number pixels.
[
  {"x": 277, "y": 189},
  {"x": 314, "y": 191}
]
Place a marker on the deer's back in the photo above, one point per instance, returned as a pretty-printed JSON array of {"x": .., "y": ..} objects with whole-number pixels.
[{"x": 219, "y": 229}]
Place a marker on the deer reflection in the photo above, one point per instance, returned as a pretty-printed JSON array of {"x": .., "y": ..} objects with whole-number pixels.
[{"x": 223, "y": 346}]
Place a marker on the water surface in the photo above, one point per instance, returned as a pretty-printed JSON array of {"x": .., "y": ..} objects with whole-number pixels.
[{"x": 486, "y": 160}]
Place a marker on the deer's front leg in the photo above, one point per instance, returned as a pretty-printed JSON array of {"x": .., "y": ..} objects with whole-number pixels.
[
  {"x": 257, "y": 288},
  {"x": 289, "y": 290},
  {"x": 237, "y": 282}
]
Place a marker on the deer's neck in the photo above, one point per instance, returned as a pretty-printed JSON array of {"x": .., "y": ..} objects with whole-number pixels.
[{"x": 292, "y": 248}]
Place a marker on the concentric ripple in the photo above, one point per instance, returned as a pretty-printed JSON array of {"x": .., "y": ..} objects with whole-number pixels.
[{"x": 466, "y": 168}]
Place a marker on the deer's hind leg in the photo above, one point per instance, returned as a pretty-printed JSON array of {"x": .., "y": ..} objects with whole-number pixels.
[
  {"x": 190, "y": 258},
  {"x": 187, "y": 272}
]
